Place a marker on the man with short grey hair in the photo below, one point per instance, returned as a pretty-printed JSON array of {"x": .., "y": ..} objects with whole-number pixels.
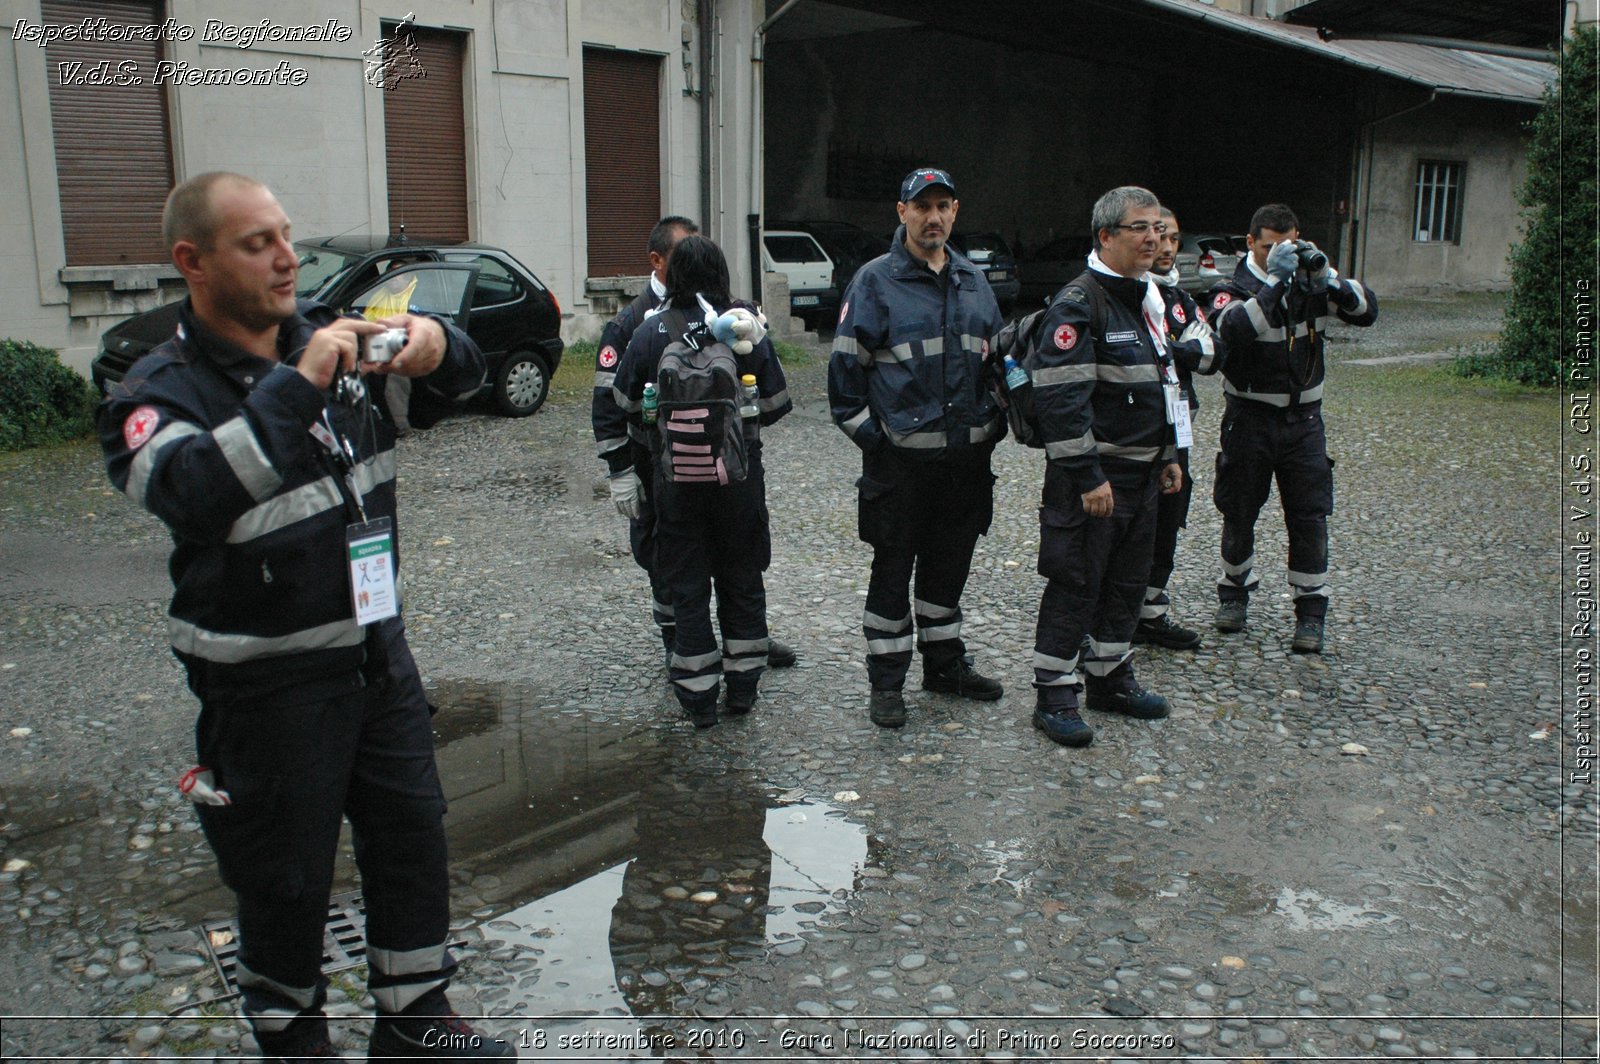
[{"x": 1104, "y": 389}]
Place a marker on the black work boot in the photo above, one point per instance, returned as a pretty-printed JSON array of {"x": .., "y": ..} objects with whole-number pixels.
[
  {"x": 1121, "y": 693},
  {"x": 1056, "y": 715},
  {"x": 1162, "y": 631},
  {"x": 1231, "y": 614},
  {"x": 960, "y": 678},
  {"x": 442, "y": 1037},
  {"x": 702, "y": 716},
  {"x": 888, "y": 708},
  {"x": 1307, "y": 636},
  {"x": 306, "y": 1038},
  {"x": 780, "y": 655},
  {"x": 739, "y": 702}
]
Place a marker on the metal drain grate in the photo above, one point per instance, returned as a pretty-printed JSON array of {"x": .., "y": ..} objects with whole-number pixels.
[{"x": 344, "y": 942}]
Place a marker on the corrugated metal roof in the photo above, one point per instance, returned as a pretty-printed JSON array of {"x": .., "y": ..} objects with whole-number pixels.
[
  {"x": 1451, "y": 71},
  {"x": 1526, "y": 23}
]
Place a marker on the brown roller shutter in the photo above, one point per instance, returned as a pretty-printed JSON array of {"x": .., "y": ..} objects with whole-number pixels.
[
  {"x": 113, "y": 150},
  {"x": 622, "y": 151},
  {"x": 424, "y": 125}
]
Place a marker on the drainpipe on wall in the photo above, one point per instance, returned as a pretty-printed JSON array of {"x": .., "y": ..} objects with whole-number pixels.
[
  {"x": 1365, "y": 137},
  {"x": 758, "y": 57},
  {"x": 703, "y": 18}
]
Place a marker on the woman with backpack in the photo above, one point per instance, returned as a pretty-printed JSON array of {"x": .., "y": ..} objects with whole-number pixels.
[{"x": 708, "y": 490}]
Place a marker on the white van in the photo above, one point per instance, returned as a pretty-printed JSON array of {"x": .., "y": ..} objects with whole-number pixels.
[{"x": 813, "y": 292}]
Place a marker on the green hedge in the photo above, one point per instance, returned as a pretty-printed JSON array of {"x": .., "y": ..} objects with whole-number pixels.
[
  {"x": 1559, "y": 244},
  {"x": 41, "y": 400}
]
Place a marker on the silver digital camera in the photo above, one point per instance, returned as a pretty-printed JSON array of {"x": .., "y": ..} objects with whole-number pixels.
[{"x": 382, "y": 347}]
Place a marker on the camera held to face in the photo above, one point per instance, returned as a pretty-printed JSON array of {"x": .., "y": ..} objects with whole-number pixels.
[
  {"x": 1309, "y": 258},
  {"x": 382, "y": 347}
]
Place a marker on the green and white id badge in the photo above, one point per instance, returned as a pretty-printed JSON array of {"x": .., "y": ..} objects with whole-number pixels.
[{"x": 371, "y": 547}]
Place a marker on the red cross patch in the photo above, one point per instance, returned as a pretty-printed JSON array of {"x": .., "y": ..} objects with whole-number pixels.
[
  {"x": 140, "y": 426},
  {"x": 1066, "y": 337},
  {"x": 844, "y": 312},
  {"x": 1177, "y": 313},
  {"x": 608, "y": 356},
  {"x": 1222, "y": 300}
]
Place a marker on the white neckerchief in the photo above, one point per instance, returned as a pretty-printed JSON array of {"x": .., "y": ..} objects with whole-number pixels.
[
  {"x": 1261, "y": 275},
  {"x": 658, "y": 288},
  {"x": 1154, "y": 307},
  {"x": 1168, "y": 279}
]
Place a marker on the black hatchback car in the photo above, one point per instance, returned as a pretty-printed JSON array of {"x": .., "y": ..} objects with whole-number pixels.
[{"x": 511, "y": 316}]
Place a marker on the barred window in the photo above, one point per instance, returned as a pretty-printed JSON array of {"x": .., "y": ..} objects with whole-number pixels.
[{"x": 1437, "y": 218}]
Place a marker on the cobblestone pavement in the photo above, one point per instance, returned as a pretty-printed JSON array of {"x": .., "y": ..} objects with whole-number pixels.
[{"x": 1237, "y": 881}]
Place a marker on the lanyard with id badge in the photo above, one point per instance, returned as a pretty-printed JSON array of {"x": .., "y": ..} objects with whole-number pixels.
[
  {"x": 369, "y": 545},
  {"x": 1171, "y": 390}
]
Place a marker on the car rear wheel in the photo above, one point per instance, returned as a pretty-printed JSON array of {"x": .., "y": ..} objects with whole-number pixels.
[{"x": 522, "y": 384}]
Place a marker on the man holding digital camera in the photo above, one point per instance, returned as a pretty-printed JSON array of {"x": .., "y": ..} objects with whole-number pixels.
[{"x": 1272, "y": 315}]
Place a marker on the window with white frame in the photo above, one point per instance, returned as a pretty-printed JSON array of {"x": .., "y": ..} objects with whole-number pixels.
[{"x": 1437, "y": 218}]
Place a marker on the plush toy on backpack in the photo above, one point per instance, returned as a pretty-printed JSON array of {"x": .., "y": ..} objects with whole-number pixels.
[{"x": 739, "y": 328}]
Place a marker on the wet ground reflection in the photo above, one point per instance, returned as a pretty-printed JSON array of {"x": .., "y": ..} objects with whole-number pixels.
[{"x": 618, "y": 873}]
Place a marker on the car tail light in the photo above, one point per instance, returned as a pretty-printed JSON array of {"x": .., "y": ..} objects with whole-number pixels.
[
  {"x": 557, "y": 303},
  {"x": 1208, "y": 261}
]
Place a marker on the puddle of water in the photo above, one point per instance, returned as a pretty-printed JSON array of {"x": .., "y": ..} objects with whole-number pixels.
[
  {"x": 628, "y": 873},
  {"x": 1306, "y": 910}
]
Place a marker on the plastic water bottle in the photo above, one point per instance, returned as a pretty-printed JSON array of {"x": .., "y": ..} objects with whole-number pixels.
[
  {"x": 647, "y": 406},
  {"x": 1016, "y": 375},
  {"x": 750, "y": 408}
]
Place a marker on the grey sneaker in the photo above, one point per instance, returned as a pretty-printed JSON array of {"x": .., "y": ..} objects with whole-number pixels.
[
  {"x": 1231, "y": 615},
  {"x": 1307, "y": 636}
]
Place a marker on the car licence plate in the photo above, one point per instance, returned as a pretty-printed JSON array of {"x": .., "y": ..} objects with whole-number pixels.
[
  {"x": 805, "y": 301},
  {"x": 1000, "y": 275}
]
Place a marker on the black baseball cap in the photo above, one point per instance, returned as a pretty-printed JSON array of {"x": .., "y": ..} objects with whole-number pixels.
[{"x": 927, "y": 177}]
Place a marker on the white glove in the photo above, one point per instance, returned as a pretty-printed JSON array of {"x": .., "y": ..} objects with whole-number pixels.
[
  {"x": 627, "y": 494},
  {"x": 1281, "y": 260}
]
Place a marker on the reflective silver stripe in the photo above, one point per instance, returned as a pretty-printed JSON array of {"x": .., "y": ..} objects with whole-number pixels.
[
  {"x": 275, "y": 1019},
  {"x": 1149, "y": 611},
  {"x": 851, "y": 424},
  {"x": 1050, "y": 664},
  {"x": 238, "y": 444},
  {"x": 1105, "y": 650},
  {"x": 1050, "y": 376},
  {"x": 397, "y": 998},
  {"x": 984, "y": 433},
  {"x": 975, "y": 344},
  {"x": 1128, "y": 374},
  {"x": 902, "y": 645},
  {"x": 1310, "y": 395},
  {"x": 744, "y": 664},
  {"x": 665, "y": 609},
  {"x": 745, "y": 646},
  {"x": 1320, "y": 591},
  {"x": 1133, "y": 454},
  {"x": 1169, "y": 453},
  {"x": 1240, "y": 569},
  {"x": 696, "y": 662},
  {"x": 1071, "y": 448},
  {"x": 229, "y": 648},
  {"x": 844, "y": 345},
  {"x": 378, "y": 469},
  {"x": 605, "y": 447},
  {"x": 1099, "y": 667},
  {"x": 933, "y": 345},
  {"x": 629, "y": 406},
  {"x": 145, "y": 461},
  {"x": 407, "y": 961},
  {"x": 698, "y": 683},
  {"x": 897, "y": 353},
  {"x": 397, "y": 400},
  {"x": 932, "y": 633},
  {"x": 1258, "y": 321},
  {"x": 603, "y": 382},
  {"x": 931, "y": 611},
  {"x": 885, "y": 624},
  {"x": 1199, "y": 332},
  {"x": 768, "y": 403},
  {"x": 916, "y": 441},
  {"x": 1307, "y": 580},
  {"x": 284, "y": 510}
]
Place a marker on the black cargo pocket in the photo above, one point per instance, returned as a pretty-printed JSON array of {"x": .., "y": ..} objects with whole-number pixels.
[
  {"x": 764, "y": 539},
  {"x": 254, "y": 842},
  {"x": 877, "y": 514},
  {"x": 1220, "y": 488},
  {"x": 983, "y": 509},
  {"x": 1061, "y": 543}
]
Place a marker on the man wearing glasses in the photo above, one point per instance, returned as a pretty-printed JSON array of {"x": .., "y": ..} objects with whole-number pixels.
[{"x": 1107, "y": 400}]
